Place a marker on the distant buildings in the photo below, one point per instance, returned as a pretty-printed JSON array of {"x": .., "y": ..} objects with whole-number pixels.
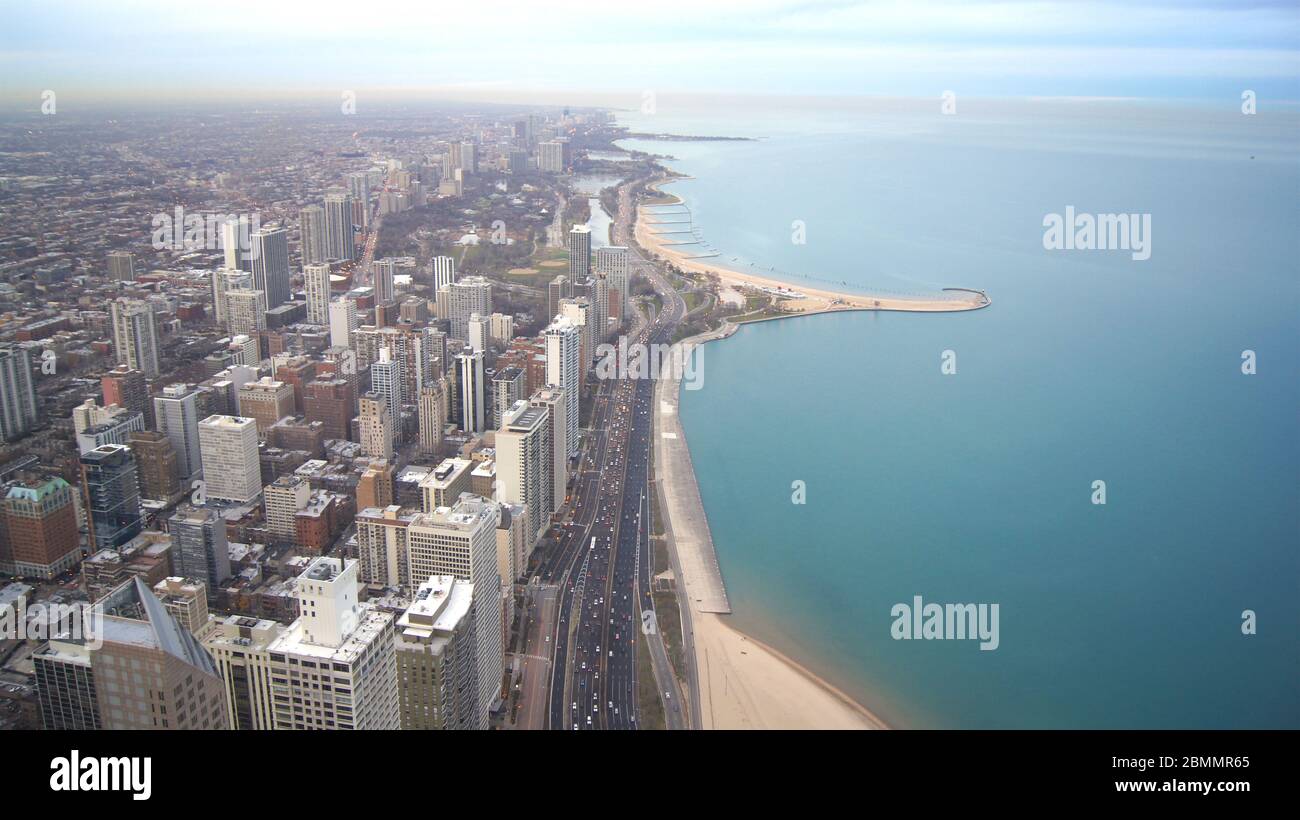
[{"x": 550, "y": 157}]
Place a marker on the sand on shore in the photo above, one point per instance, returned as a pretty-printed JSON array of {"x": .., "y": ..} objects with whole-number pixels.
[{"x": 811, "y": 299}]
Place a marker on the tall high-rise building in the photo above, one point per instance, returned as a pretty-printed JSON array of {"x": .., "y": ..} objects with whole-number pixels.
[
  {"x": 563, "y": 370},
  {"x": 332, "y": 402},
  {"x": 502, "y": 328},
  {"x": 359, "y": 188},
  {"x": 121, "y": 266},
  {"x": 282, "y": 499},
  {"x": 343, "y": 320},
  {"x": 386, "y": 380},
  {"x": 316, "y": 281},
  {"x": 311, "y": 221},
  {"x": 338, "y": 637},
  {"x": 17, "y": 393},
  {"x": 444, "y": 271},
  {"x": 126, "y": 388},
  {"x": 340, "y": 231},
  {"x": 579, "y": 244},
  {"x": 559, "y": 289},
  {"x": 245, "y": 312},
  {"x": 110, "y": 496},
  {"x": 40, "y": 517},
  {"x": 231, "y": 469},
  {"x": 270, "y": 256},
  {"x": 266, "y": 401},
  {"x": 157, "y": 465},
  {"x": 579, "y": 311},
  {"x": 434, "y": 347},
  {"x": 239, "y": 646},
  {"x": 555, "y": 400},
  {"x": 467, "y": 296},
  {"x": 437, "y": 664},
  {"x": 479, "y": 331},
  {"x": 225, "y": 280},
  {"x": 376, "y": 427},
  {"x": 149, "y": 672},
  {"x": 508, "y": 387},
  {"x": 471, "y": 392},
  {"x": 199, "y": 546},
  {"x": 432, "y": 416},
  {"x": 384, "y": 271},
  {"x": 234, "y": 244},
  {"x": 135, "y": 337},
  {"x": 550, "y": 157},
  {"x": 615, "y": 262},
  {"x": 525, "y": 466},
  {"x": 176, "y": 413},
  {"x": 461, "y": 541},
  {"x": 598, "y": 288}
]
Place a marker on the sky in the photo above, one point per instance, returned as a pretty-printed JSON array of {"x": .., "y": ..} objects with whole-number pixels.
[{"x": 504, "y": 50}]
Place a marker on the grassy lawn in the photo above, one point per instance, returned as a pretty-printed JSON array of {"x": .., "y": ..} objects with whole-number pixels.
[
  {"x": 669, "y": 620},
  {"x": 650, "y": 707}
]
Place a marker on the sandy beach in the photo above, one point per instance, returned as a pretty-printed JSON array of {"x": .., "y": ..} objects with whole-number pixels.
[{"x": 812, "y": 299}]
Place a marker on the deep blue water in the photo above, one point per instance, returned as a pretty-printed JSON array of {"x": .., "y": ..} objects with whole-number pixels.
[{"x": 976, "y": 487}]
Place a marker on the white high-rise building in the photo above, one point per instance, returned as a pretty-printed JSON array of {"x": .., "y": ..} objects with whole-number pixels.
[
  {"x": 334, "y": 667},
  {"x": 563, "y": 370},
  {"x": 578, "y": 310},
  {"x": 550, "y": 157},
  {"x": 444, "y": 271},
  {"x": 234, "y": 233},
  {"x": 525, "y": 469},
  {"x": 176, "y": 415},
  {"x": 555, "y": 400},
  {"x": 135, "y": 337},
  {"x": 343, "y": 320},
  {"x": 461, "y": 540},
  {"x": 231, "y": 470},
  {"x": 270, "y": 252},
  {"x": 478, "y": 332},
  {"x": 387, "y": 382},
  {"x": 316, "y": 281},
  {"x": 502, "y": 328},
  {"x": 225, "y": 280},
  {"x": 471, "y": 392},
  {"x": 245, "y": 312},
  {"x": 465, "y": 297},
  {"x": 281, "y": 501}
]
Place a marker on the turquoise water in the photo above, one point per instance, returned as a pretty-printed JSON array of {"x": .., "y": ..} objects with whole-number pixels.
[{"x": 976, "y": 487}]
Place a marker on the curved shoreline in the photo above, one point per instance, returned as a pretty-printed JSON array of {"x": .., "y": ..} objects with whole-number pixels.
[{"x": 742, "y": 682}]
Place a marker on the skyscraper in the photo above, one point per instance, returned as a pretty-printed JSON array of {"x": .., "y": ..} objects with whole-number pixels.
[
  {"x": 270, "y": 252},
  {"x": 234, "y": 234},
  {"x": 176, "y": 413},
  {"x": 121, "y": 266},
  {"x": 231, "y": 469},
  {"x": 479, "y": 331},
  {"x": 40, "y": 517},
  {"x": 550, "y": 157},
  {"x": 343, "y": 320},
  {"x": 245, "y": 312},
  {"x": 17, "y": 393},
  {"x": 338, "y": 636},
  {"x": 525, "y": 469},
  {"x": 225, "y": 280},
  {"x": 579, "y": 244},
  {"x": 555, "y": 400},
  {"x": 471, "y": 392},
  {"x": 199, "y": 546},
  {"x": 359, "y": 187},
  {"x": 135, "y": 338},
  {"x": 507, "y": 388},
  {"x": 149, "y": 672},
  {"x": 387, "y": 382},
  {"x": 432, "y": 417},
  {"x": 559, "y": 289},
  {"x": 311, "y": 221},
  {"x": 444, "y": 271},
  {"x": 563, "y": 370},
  {"x": 110, "y": 496},
  {"x": 340, "y": 233},
  {"x": 467, "y": 296},
  {"x": 461, "y": 541},
  {"x": 437, "y": 664},
  {"x": 376, "y": 427},
  {"x": 316, "y": 281},
  {"x": 614, "y": 262}
]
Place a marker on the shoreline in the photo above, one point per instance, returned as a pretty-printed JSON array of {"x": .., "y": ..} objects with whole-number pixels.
[
  {"x": 808, "y": 300},
  {"x": 741, "y": 682}
]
